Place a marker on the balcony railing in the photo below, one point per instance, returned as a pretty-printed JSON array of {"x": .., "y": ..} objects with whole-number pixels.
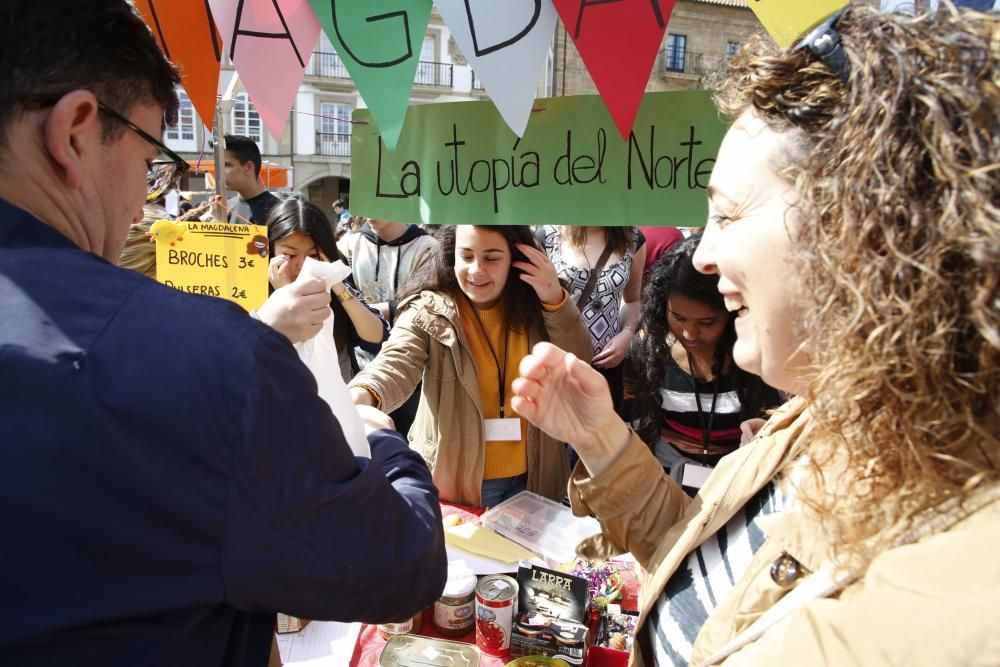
[
  {"x": 476, "y": 83},
  {"x": 693, "y": 64},
  {"x": 434, "y": 74},
  {"x": 327, "y": 65},
  {"x": 330, "y": 66},
  {"x": 336, "y": 145}
]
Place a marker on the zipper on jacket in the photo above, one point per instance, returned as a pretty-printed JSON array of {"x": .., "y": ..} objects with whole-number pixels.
[{"x": 717, "y": 505}]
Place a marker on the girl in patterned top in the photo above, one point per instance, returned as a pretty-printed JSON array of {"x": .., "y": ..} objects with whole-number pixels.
[
  {"x": 611, "y": 312},
  {"x": 686, "y": 396}
]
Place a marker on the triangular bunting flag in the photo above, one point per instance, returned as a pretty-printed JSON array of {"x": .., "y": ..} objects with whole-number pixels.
[
  {"x": 618, "y": 42},
  {"x": 507, "y": 44},
  {"x": 185, "y": 31},
  {"x": 379, "y": 42},
  {"x": 788, "y": 20},
  {"x": 270, "y": 43}
]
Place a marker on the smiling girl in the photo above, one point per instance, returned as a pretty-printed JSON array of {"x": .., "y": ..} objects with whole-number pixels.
[{"x": 466, "y": 320}]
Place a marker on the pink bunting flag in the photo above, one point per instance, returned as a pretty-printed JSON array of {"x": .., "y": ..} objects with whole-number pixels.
[
  {"x": 618, "y": 41},
  {"x": 270, "y": 43}
]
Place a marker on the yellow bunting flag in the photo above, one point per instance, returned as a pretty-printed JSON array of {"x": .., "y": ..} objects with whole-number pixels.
[
  {"x": 789, "y": 20},
  {"x": 213, "y": 258}
]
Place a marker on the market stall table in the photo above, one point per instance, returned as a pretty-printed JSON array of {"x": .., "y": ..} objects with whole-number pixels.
[{"x": 370, "y": 643}]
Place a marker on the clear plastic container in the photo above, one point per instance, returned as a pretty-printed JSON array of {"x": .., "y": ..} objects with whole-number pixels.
[{"x": 547, "y": 528}]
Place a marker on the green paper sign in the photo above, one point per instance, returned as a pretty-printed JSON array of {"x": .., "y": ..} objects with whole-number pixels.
[
  {"x": 459, "y": 163},
  {"x": 379, "y": 42}
]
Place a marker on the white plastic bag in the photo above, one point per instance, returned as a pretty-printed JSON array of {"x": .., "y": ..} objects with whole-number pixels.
[{"x": 320, "y": 355}]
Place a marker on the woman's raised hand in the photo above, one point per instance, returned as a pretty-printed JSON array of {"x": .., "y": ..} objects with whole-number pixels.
[
  {"x": 540, "y": 273},
  {"x": 277, "y": 271},
  {"x": 569, "y": 400}
]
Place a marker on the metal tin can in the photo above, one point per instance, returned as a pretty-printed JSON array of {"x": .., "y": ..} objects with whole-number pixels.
[
  {"x": 496, "y": 606},
  {"x": 408, "y": 650}
]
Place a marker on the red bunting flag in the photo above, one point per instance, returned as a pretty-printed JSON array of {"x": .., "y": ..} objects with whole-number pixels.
[
  {"x": 185, "y": 31},
  {"x": 618, "y": 41}
]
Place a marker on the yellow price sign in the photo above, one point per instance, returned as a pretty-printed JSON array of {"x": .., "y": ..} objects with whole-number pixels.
[
  {"x": 213, "y": 258},
  {"x": 789, "y": 20}
]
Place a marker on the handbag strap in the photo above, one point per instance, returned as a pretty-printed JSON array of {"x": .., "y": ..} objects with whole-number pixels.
[{"x": 588, "y": 289}]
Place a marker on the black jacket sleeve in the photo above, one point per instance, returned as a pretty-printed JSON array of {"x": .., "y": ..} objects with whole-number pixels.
[{"x": 310, "y": 529}]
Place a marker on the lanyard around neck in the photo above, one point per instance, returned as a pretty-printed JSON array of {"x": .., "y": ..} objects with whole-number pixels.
[
  {"x": 706, "y": 430},
  {"x": 501, "y": 368}
]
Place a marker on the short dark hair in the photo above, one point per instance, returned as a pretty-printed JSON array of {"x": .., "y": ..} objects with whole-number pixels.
[
  {"x": 48, "y": 49},
  {"x": 245, "y": 150},
  {"x": 340, "y": 203}
]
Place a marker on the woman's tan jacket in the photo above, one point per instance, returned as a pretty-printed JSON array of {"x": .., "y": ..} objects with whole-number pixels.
[
  {"x": 427, "y": 342},
  {"x": 933, "y": 602}
]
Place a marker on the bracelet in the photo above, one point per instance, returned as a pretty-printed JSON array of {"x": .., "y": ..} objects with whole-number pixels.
[{"x": 345, "y": 296}]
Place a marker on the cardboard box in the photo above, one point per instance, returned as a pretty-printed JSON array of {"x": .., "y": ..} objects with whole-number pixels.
[{"x": 552, "y": 608}]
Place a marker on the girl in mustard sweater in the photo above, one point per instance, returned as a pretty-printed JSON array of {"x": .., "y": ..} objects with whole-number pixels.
[{"x": 466, "y": 319}]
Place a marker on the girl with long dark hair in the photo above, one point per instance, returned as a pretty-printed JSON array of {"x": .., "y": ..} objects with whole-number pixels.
[
  {"x": 687, "y": 397},
  {"x": 298, "y": 229},
  {"x": 466, "y": 318}
]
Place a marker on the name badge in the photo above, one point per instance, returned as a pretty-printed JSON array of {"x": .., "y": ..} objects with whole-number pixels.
[
  {"x": 694, "y": 475},
  {"x": 502, "y": 430}
]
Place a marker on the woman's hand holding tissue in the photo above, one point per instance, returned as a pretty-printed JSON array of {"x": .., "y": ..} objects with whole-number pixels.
[{"x": 297, "y": 310}]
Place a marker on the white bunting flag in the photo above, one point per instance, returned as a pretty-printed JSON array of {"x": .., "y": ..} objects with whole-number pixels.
[{"x": 507, "y": 44}]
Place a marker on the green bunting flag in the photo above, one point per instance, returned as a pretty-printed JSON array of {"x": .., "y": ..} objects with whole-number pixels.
[{"x": 379, "y": 42}]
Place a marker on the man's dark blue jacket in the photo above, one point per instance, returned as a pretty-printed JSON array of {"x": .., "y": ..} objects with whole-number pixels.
[{"x": 171, "y": 479}]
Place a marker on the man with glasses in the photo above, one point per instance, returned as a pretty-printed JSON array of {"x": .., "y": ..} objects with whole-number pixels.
[
  {"x": 170, "y": 477},
  {"x": 162, "y": 175}
]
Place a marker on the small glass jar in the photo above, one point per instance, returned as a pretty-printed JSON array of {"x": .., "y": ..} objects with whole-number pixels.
[
  {"x": 455, "y": 611},
  {"x": 410, "y": 625}
]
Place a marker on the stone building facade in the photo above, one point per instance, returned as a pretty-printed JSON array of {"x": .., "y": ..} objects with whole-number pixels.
[{"x": 700, "y": 36}]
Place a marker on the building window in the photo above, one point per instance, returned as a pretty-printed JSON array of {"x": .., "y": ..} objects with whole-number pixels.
[
  {"x": 182, "y": 135},
  {"x": 245, "y": 120},
  {"x": 335, "y": 129},
  {"x": 430, "y": 70},
  {"x": 676, "y": 52},
  {"x": 732, "y": 48}
]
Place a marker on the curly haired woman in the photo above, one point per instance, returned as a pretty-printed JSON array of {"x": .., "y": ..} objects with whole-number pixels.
[
  {"x": 686, "y": 397},
  {"x": 854, "y": 227}
]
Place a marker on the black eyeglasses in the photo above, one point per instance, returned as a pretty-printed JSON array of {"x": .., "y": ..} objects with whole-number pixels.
[{"x": 163, "y": 174}]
